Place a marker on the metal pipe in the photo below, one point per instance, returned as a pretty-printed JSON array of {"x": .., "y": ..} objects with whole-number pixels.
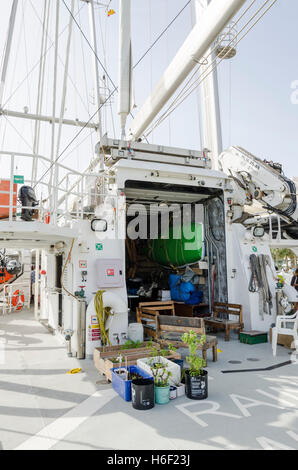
[
  {"x": 215, "y": 18},
  {"x": 36, "y": 290},
  {"x": 212, "y": 133},
  {"x": 95, "y": 64},
  {"x": 54, "y": 91},
  {"x": 62, "y": 109},
  {"x": 125, "y": 64},
  {"x": 11, "y": 188},
  {"x": 40, "y": 117},
  {"x": 12, "y": 21},
  {"x": 45, "y": 25}
]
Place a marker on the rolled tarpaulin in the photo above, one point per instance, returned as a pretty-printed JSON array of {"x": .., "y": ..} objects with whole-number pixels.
[{"x": 180, "y": 251}]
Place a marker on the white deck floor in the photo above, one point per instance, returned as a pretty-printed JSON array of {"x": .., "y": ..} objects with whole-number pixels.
[{"x": 43, "y": 408}]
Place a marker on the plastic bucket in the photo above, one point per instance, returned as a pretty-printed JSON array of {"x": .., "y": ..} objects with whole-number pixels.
[
  {"x": 135, "y": 332},
  {"x": 173, "y": 392},
  {"x": 122, "y": 386},
  {"x": 196, "y": 387},
  {"x": 162, "y": 395},
  {"x": 142, "y": 393}
]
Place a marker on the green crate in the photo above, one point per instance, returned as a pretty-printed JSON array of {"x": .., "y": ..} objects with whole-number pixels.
[{"x": 253, "y": 337}]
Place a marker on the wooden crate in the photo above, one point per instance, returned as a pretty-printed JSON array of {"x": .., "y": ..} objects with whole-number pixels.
[
  {"x": 185, "y": 310},
  {"x": 104, "y": 362},
  {"x": 109, "y": 351},
  {"x": 283, "y": 340}
]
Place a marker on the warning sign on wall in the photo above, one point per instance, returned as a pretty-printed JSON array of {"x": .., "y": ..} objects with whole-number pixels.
[{"x": 94, "y": 333}]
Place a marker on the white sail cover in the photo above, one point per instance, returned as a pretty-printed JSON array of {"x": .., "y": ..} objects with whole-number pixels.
[{"x": 126, "y": 96}]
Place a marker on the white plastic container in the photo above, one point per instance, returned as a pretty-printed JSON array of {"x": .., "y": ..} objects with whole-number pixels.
[
  {"x": 164, "y": 295},
  {"x": 175, "y": 378},
  {"x": 135, "y": 332},
  {"x": 180, "y": 390}
]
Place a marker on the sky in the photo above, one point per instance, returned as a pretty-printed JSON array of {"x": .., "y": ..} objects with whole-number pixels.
[{"x": 255, "y": 87}]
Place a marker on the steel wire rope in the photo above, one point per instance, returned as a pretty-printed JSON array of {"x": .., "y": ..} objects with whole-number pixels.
[
  {"x": 110, "y": 95},
  {"x": 205, "y": 58},
  {"x": 192, "y": 87}
]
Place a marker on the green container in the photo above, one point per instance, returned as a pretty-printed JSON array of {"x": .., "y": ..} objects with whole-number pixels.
[
  {"x": 175, "y": 251},
  {"x": 247, "y": 338},
  {"x": 162, "y": 395}
]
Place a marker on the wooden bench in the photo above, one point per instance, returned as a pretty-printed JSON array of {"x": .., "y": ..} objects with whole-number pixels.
[
  {"x": 148, "y": 312},
  {"x": 171, "y": 329},
  {"x": 221, "y": 318}
]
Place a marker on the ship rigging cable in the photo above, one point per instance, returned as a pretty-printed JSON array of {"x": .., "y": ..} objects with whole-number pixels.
[
  {"x": 205, "y": 59},
  {"x": 110, "y": 94},
  {"x": 185, "y": 92}
]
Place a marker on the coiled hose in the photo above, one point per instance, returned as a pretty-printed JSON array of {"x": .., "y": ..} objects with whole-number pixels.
[{"x": 103, "y": 314}]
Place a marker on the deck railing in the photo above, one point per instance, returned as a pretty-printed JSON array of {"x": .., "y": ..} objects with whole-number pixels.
[{"x": 72, "y": 197}]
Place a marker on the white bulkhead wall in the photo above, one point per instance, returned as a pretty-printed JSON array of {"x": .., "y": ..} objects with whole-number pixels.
[
  {"x": 239, "y": 249},
  {"x": 89, "y": 250}
]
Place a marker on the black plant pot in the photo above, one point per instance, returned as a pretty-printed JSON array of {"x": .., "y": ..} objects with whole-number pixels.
[
  {"x": 142, "y": 391},
  {"x": 196, "y": 387}
]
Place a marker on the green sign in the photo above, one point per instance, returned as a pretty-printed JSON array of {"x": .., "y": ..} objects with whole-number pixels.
[
  {"x": 18, "y": 179},
  {"x": 254, "y": 248},
  {"x": 99, "y": 246}
]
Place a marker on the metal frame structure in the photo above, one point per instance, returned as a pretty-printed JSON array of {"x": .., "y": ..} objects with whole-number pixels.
[{"x": 54, "y": 119}]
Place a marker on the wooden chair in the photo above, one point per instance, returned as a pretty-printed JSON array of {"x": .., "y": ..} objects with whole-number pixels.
[
  {"x": 221, "y": 318},
  {"x": 148, "y": 312},
  {"x": 171, "y": 329}
]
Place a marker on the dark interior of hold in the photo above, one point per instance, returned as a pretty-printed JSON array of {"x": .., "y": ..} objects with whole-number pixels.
[{"x": 143, "y": 272}]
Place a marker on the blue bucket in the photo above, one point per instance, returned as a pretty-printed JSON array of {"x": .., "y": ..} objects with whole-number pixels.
[{"x": 122, "y": 386}]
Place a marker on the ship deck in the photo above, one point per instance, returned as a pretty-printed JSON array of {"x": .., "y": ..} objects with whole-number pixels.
[{"x": 42, "y": 407}]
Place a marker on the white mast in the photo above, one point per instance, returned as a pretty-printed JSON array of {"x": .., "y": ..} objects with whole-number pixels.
[
  {"x": 54, "y": 94},
  {"x": 212, "y": 132},
  {"x": 215, "y": 18},
  {"x": 125, "y": 102},
  {"x": 40, "y": 89},
  {"x": 12, "y": 21},
  {"x": 63, "y": 101},
  {"x": 95, "y": 64}
]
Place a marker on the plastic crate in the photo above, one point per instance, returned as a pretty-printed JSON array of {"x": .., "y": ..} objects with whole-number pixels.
[
  {"x": 123, "y": 387},
  {"x": 253, "y": 337}
]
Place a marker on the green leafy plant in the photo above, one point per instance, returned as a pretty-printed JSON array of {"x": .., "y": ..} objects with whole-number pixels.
[
  {"x": 131, "y": 344},
  {"x": 161, "y": 375},
  {"x": 155, "y": 352},
  {"x": 160, "y": 371},
  {"x": 195, "y": 362}
]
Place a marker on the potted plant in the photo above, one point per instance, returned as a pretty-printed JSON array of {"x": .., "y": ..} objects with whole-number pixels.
[
  {"x": 161, "y": 375},
  {"x": 123, "y": 377},
  {"x": 156, "y": 360},
  {"x": 196, "y": 378}
]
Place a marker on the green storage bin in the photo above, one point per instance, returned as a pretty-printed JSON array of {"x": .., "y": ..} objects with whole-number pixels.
[{"x": 252, "y": 337}]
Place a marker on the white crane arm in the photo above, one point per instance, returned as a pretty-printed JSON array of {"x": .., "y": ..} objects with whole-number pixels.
[{"x": 260, "y": 180}]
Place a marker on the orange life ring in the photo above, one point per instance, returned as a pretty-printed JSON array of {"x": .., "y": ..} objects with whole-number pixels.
[{"x": 18, "y": 300}]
